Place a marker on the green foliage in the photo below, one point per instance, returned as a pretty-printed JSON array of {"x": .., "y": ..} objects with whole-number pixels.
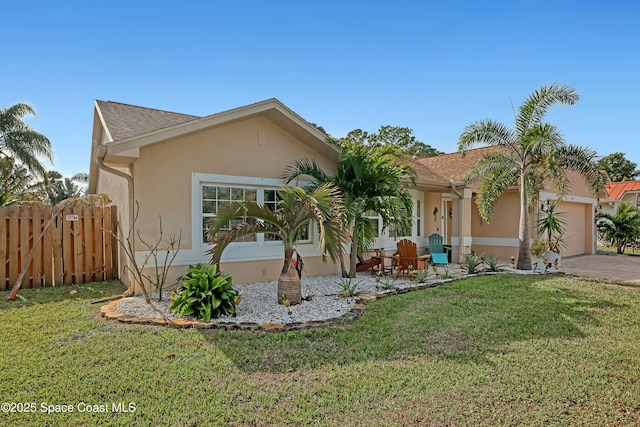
[
  {"x": 552, "y": 225},
  {"x": 20, "y": 141},
  {"x": 538, "y": 248},
  {"x": 393, "y": 136},
  {"x": 349, "y": 287},
  {"x": 618, "y": 167},
  {"x": 386, "y": 284},
  {"x": 527, "y": 156},
  {"x": 423, "y": 275},
  {"x": 369, "y": 179},
  {"x": 17, "y": 185},
  {"x": 492, "y": 263},
  {"x": 204, "y": 294},
  {"x": 59, "y": 188},
  {"x": 471, "y": 263},
  {"x": 621, "y": 228}
]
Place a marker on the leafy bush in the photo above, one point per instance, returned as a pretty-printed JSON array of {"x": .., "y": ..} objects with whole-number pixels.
[
  {"x": 538, "y": 248},
  {"x": 205, "y": 294},
  {"x": 471, "y": 263}
]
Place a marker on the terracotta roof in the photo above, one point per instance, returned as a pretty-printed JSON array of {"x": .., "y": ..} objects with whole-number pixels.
[
  {"x": 449, "y": 167},
  {"x": 616, "y": 190},
  {"x": 124, "y": 120}
]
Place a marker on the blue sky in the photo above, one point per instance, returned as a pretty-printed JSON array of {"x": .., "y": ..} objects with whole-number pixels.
[{"x": 430, "y": 66}]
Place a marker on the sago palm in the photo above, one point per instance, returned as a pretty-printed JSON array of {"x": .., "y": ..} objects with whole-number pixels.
[
  {"x": 531, "y": 153},
  {"x": 621, "y": 227},
  {"x": 20, "y": 141},
  {"x": 370, "y": 179},
  {"x": 295, "y": 210}
]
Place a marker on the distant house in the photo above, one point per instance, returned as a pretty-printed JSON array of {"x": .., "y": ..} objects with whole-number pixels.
[
  {"x": 183, "y": 167},
  {"x": 620, "y": 192}
]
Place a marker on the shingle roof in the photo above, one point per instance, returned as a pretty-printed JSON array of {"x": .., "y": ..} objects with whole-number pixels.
[
  {"x": 616, "y": 190},
  {"x": 124, "y": 120},
  {"x": 449, "y": 167}
]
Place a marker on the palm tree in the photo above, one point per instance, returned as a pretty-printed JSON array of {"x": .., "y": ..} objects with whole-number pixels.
[
  {"x": 621, "y": 227},
  {"x": 19, "y": 140},
  {"x": 370, "y": 179},
  {"x": 295, "y": 210},
  {"x": 59, "y": 188},
  {"x": 17, "y": 185},
  {"x": 532, "y": 153}
]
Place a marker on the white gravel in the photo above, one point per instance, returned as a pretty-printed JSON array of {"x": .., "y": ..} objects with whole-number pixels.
[{"x": 322, "y": 300}]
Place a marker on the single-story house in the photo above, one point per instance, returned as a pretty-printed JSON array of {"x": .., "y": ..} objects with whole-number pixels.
[
  {"x": 180, "y": 167},
  {"x": 619, "y": 192}
]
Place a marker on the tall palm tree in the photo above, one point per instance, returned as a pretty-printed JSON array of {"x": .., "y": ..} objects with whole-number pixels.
[
  {"x": 295, "y": 210},
  {"x": 19, "y": 140},
  {"x": 532, "y": 153},
  {"x": 370, "y": 179},
  {"x": 621, "y": 227}
]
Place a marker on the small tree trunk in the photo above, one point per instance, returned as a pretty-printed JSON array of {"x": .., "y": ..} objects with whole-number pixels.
[
  {"x": 289, "y": 283},
  {"x": 353, "y": 258},
  {"x": 524, "y": 257}
]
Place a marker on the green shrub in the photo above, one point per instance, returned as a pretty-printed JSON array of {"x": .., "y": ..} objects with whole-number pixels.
[
  {"x": 423, "y": 275},
  {"x": 205, "y": 294},
  {"x": 492, "y": 263},
  {"x": 349, "y": 288},
  {"x": 471, "y": 263},
  {"x": 538, "y": 248}
]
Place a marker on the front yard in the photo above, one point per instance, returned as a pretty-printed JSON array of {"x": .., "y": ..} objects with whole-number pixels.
[{"x": 493, "y": 350}]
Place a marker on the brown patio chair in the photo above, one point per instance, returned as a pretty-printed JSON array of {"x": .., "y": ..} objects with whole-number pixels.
[
  {"x": 408, "y": 258},
  {"x": 374, "y": 262}
]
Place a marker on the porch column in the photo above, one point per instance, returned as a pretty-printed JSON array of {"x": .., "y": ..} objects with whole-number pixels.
[{"x": 461, "y": 238}]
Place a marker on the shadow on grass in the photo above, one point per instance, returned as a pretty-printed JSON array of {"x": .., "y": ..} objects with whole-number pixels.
[
  {"x": 465, "y": 320},
  {"x": 85, "y": 291}
]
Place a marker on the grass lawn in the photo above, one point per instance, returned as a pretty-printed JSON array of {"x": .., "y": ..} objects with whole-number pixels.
[
  {"x": 612, "y": 250},
  {"x": 493, "y": 350}
]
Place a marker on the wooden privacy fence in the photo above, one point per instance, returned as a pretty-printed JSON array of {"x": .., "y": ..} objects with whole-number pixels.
[{"x": 77, "y": 247}]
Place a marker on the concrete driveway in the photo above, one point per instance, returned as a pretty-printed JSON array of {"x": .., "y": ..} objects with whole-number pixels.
[{"x": 623, "y": 268}]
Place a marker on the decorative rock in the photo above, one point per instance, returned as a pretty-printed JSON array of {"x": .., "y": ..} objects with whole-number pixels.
[
  {"x": 113, "y": 315},
  {"x": 180, "y": 323},
  {"x": 267, "y": 326}
]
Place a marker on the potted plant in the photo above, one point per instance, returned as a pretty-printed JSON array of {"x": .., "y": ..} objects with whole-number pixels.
[{"x": 551, "y": 225}]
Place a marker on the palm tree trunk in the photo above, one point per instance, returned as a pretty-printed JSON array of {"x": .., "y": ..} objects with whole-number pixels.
[
  {"x": 289, "y": 283},
  {"x": 353, "y": 257},
  {"x": 524, "y": 257},
  {"x": 343, "y": 269}
]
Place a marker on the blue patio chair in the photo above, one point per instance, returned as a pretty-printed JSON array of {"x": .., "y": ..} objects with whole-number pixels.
[{"x": 439, "y": 254}]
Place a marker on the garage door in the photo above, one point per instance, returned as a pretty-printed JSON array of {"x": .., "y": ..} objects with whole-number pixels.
[{"x": 575, "y": 230}]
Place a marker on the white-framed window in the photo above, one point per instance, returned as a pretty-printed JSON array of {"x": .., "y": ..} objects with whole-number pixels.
[
  {"x": 374, "y": 219},
  {"x": 214, "y": 191},
  {"x": 215, "y": 197}
]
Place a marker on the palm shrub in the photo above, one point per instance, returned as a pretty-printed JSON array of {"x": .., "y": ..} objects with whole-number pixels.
[
  {"x": 205, "y": 294},
  {"x": 620, "y": 228},
  {"x": 295, "y": 209},
  {"x": 551, "y": 225}
]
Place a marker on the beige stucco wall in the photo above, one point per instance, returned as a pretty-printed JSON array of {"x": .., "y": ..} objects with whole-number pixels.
[
  {"x": 432, "y": 225},
  {"x": 254, "y": 147}
]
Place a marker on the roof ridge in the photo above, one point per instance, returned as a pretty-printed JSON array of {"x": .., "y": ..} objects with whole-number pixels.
[{"x": 147, "y": 108}]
